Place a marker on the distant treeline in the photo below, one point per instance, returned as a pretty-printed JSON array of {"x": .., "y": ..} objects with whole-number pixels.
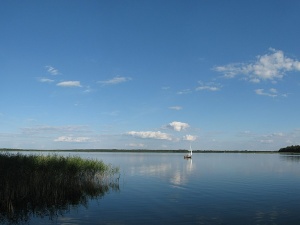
[
  {"x": 293, "y": 148},
  {"x": 138, "y": 150}
]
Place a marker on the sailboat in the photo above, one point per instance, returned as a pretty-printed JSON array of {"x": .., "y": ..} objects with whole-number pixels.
[{"x": 189, "y": 155}]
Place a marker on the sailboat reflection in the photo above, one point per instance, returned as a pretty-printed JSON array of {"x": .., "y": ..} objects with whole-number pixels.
[{"x": 189, "y": 165}]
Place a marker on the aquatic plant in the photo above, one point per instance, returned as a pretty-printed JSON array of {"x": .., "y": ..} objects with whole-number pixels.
[{"x": 49, "y": 185}]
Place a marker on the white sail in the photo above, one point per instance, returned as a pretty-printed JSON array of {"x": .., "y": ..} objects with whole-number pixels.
[{"x": 189, "y": 155}]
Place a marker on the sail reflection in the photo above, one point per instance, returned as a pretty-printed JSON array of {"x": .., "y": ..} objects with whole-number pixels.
[
  {"x": 189, "y": 165},
  {"x": 181, "y": 177}
]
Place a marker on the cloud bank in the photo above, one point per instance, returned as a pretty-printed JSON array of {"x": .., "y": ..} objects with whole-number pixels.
[
  {"x": 45, "y": 80},
  {"x": 271, "y": 66},
  {"x": 54, "y": 129},
  {"x": 271, "y": 93},
  {"x": 72, "y": 139},
  {"x": 211, "y": 86},
  {"x": 150, "y": 134},
  {"x": 69, "y": 84},
  {"x": 115, "y": 80}
]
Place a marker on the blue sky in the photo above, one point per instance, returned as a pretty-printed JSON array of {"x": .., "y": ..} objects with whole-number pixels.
[{"x": 150, "y": 74}]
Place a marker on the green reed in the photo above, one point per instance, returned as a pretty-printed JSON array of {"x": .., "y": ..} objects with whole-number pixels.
[{"x": 47, "y": 185}]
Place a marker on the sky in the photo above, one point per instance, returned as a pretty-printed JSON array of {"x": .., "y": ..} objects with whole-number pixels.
[{"x": 141, "y": 74}]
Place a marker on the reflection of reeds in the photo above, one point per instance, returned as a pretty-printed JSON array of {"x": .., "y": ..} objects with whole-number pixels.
[{"x": 48, "y": 185}]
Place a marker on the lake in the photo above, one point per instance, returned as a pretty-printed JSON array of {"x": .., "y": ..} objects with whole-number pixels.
[{"x": 210, "y": 188}]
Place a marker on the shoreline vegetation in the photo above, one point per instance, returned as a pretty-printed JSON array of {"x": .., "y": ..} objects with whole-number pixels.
[
  {"x": 50, "y": 185},
  {"x": 290, "y": 149}
]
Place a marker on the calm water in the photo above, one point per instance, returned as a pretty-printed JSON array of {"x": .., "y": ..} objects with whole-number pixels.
[{"x": 212, "y": 188}]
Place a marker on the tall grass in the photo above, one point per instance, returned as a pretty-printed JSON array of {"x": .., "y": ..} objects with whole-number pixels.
[{"x": 49, "y": 185}]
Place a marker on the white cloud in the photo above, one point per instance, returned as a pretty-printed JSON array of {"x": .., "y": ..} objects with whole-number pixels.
[
  {"x": 271, "y": 93},
  {"x": 271, "y": 66},
  {"x": 186, "y": 91},
  {"x": 69, "y": 84},
  {"x": 150, "y": 134},
  {"x": 54, "y": 129},
  {"x": 267, "y": 141},
  {"x": 139, "y": 145},
  {"x": 278, "y": 134},
  {"x": 211, "y": 86},
  {"x": 52, "y": 70},
  {"x": 88, "y": 89},
  {"x": 45, "y": 80},
  {"x": 178, "y": 126},
  {"x": 175, "y": 107},
  {"x": 72, "y": 139},
  {"x": 115, "y": 80},
  {"x": 189, "y": 137}
]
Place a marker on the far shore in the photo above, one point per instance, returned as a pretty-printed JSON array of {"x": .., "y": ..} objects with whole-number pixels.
[{"x": 136, "y": 150}]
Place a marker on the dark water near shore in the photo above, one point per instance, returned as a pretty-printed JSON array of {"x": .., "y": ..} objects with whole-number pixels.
[{"x": 212, "y": 188}]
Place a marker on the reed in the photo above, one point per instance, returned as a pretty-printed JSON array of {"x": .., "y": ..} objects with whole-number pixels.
[{"x": 49, "y": 185}]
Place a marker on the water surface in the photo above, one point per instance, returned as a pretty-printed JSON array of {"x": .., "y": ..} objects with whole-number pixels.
[{"x": 212, "y": 188}]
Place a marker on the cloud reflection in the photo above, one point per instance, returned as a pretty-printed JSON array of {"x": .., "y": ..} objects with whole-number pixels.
[{"x": 176, "y": 174}]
